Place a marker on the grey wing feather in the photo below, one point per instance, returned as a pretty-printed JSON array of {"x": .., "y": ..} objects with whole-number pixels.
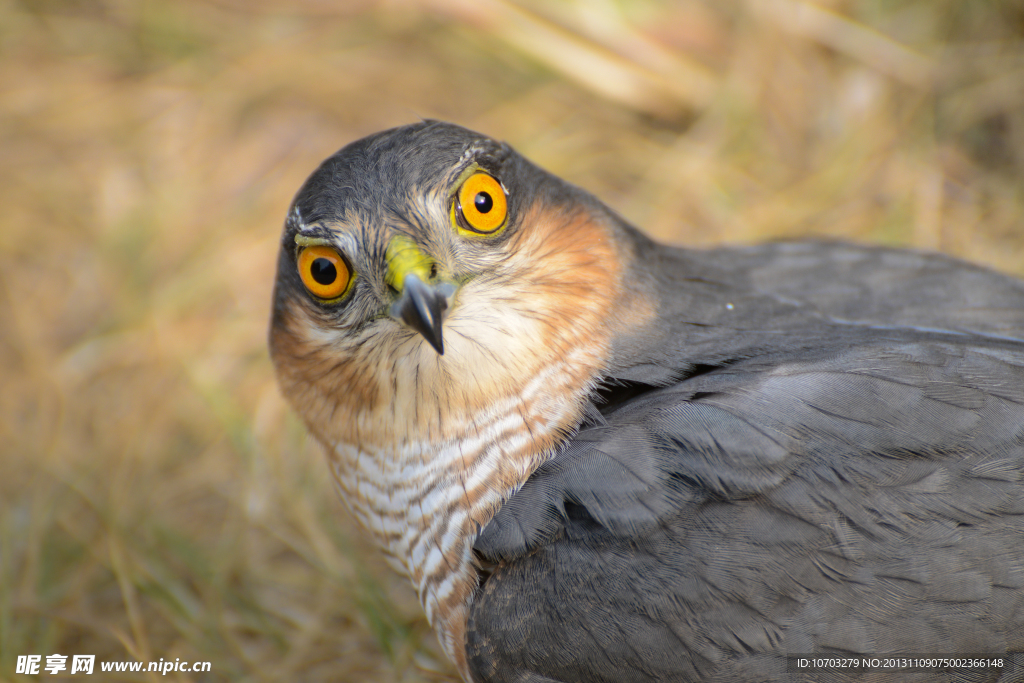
[
  {"x": 866, "y": 497},
  {"x": 876, "y": 285}
]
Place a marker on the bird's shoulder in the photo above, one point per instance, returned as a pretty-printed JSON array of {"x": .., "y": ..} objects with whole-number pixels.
[
  {"x": 879, "y": 285},
  {"x": 864, "y": 402}
]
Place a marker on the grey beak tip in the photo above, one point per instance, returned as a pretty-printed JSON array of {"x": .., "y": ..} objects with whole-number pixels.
[{"x": 422, "y": 308}]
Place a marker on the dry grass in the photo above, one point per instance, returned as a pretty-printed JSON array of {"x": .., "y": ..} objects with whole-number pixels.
[{"x": 157, "y": 499}]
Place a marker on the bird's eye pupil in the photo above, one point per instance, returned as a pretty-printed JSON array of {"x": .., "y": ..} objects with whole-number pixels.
[
  {"x": 323, "y": 271},
  {"x": 483, "y": 202}
]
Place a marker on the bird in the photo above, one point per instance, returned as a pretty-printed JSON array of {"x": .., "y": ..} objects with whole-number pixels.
[{"x": 599, "y": 458}]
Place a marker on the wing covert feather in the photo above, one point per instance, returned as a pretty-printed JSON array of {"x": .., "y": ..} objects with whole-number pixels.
[{"x": 868, "y": 498}]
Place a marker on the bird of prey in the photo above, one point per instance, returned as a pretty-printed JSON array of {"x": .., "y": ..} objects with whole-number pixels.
[{"x": 599, "y": 458}]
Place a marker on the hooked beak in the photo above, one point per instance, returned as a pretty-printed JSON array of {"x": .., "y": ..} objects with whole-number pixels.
[
  {"x": 420, "y": 305},
  {"x": 422, "y": 308}
]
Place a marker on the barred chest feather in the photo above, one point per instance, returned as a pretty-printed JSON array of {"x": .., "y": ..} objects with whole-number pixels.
[{"x": 426, "y": 501}]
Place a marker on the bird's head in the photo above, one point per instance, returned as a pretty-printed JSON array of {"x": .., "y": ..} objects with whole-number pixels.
[{"x": 429, "y": 275}]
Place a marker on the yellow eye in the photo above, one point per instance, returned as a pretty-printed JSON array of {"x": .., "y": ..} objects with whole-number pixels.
[
  {"x": 482, "y": 205},
  {"x": 324, "y": 272}
]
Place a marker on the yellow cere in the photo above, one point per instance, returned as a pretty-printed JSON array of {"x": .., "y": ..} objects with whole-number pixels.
[
  {"x": 404, "y": 256},
  {"x": 324, "y": 272},
  {"x": 482, "y": 205}
]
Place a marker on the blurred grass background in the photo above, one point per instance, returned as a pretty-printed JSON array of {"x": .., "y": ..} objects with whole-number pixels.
[{"x": 157, "y": 498}]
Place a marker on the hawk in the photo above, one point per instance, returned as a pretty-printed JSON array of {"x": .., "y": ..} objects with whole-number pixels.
[{"x": 600, "y": 458}]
